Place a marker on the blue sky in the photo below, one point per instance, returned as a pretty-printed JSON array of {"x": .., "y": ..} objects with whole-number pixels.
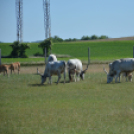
[{"x": 69, "y": 19}]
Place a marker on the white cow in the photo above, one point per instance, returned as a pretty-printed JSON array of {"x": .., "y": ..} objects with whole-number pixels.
[
  {"x": 51, "y": 57},
  {"x": 118, "y": 66},
  {"x": 128, "y": 75},
  {"x": 53, "y": 68},
  {"x": 75, "y": 67}
]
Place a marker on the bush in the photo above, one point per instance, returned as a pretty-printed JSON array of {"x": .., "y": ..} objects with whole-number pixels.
[
  {"x": 19, "y": 50},
  {"x": 46, "y": 44}
]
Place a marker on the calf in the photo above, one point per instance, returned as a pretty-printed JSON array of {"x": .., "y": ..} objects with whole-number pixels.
[
  {"x": 128, "y": 75},
  {"x": 15, "y": 66},
  {"x": 4, "y": 69},
  {"x": 53, "y": 68}
]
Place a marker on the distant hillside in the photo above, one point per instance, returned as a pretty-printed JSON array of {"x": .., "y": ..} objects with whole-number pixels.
[{"x": 110, "y": 39}]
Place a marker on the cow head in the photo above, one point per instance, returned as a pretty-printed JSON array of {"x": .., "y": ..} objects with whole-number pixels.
[
  {"x": 83, "y": 72},
  {"x": 43, "y": 77},
  {"x": 109, "y": 77}
]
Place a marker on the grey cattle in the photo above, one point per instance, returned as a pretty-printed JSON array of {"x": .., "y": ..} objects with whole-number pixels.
[
  {"x": 75, "y": 67},
  {"x": 119, "y": 66},
  {"x": 53, "y": 68},
  {"x": 127, "y": 75}
]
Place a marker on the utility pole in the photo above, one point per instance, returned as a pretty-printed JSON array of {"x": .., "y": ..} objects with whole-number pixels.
[
  {"x": 19, "y": 16},
  {"x": 47, "y": 20}
]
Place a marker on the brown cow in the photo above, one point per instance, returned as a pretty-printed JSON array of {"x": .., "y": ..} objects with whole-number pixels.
[
  {"x": 4, "y": 69},
  {"x": 14, "y": 66}
]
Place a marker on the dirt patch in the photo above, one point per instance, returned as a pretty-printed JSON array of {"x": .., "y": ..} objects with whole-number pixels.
[{"x": 33, "y": 69}]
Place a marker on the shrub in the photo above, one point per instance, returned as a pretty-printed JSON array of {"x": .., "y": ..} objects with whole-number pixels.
[
  {"x": 46, "y": 44},
  {"x": 19, "y": 50}
]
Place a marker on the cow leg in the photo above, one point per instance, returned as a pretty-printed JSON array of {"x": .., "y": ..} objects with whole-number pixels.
[
  {"x": 59, "y": 76},
  {"x": 6, "y": 73},
  {"x": 77, "y": 77},
  {"x": 74, "y": 78},
  {"x": 13, "y": 70},
  {"x": 50, "y": 80},
  {"x": 119, "y": 77},
  {"x": 18, "y": 70},
  {"x": 116, "y": 77},
  {"x": 64, "y": 76},
  {"x": 126, "y": 78},
  {"x": 70, "y": 78}
]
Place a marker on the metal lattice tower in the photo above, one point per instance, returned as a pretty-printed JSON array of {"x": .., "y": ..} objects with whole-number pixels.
[
  {"x": 47, "y": 20},
  {"x": 19, "y": 15}
]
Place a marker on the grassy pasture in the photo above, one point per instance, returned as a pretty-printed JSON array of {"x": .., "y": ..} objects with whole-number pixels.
[
  {"x": 99, "y": 51},
  {"x": 89, "y": 106}
]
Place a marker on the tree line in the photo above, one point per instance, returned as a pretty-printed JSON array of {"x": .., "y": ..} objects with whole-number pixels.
[
  {"x": 93, "y": 37},
  {"x": 19, "y": 49}
]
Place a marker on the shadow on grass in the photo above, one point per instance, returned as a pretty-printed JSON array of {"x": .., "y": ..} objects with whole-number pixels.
[
  {"x": 47, "y": 84},
  {"x": 37, "y": 85}
]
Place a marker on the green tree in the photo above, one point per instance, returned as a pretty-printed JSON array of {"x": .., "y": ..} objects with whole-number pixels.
[
  {"x": 46, "y": 44},
  {"x": 103, "y": 37},
  {"x": 56, "y": 39},
  {"x": 15, "y": 49},
  {"x": 22, "y": 50},
  {"x": 85, "y": 38},
  {"x": 18, "y": 49},
  {"x": 94, "y": 37}
]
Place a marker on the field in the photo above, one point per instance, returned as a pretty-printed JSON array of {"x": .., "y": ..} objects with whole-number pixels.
[
  {"x": 100, "y": 51},
  {"x": 89, "y": 106},
  {"x": 85, "y": 107}
]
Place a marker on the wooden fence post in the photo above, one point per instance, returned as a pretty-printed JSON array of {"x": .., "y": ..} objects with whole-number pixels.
[
  {"x": 88, "y": 56},
  {"x": 0, "y": 56},
  {"x": 45, "y": 55}
]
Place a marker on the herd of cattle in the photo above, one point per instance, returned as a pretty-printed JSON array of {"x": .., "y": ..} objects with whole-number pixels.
[
  {"x": 55, "y": 67},
  {"x": 13, "y": 66},
  {"x": 74, "y": 66}
]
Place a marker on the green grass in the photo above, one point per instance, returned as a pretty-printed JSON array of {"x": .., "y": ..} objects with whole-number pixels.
[
  {"x": 99, "y": 51},
  {"x": 89, "y": 106}
]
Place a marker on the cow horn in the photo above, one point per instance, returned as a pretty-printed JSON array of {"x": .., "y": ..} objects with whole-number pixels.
[
  {"x": 38, "y": 73},
  {"x": 105, "y": 70},
  {"x": 85, "y": 69}
]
